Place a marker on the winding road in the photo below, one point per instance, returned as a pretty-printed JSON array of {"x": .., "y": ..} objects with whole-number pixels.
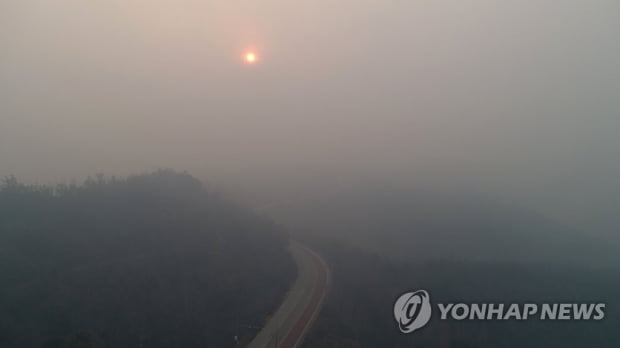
[{"x": 302, "y": 303}]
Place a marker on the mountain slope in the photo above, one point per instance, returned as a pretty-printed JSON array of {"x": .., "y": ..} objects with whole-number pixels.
[{"x": 151, "y": 261}]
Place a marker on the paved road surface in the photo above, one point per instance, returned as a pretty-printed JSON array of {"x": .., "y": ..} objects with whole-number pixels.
[{"x": 301, "y": 305}]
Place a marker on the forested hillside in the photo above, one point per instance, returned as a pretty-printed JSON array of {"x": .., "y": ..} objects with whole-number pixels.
[
  {"x": 149, "y": 261},
  {"x": 359, "y": 311}
]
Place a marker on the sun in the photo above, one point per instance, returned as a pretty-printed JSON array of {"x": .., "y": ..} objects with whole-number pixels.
[{"x": 250, "y": 57}]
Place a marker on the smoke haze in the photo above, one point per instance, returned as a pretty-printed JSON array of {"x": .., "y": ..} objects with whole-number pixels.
[{"x": 515, "y": 99}]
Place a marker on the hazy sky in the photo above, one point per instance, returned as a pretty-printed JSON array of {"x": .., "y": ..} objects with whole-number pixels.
[{"x": 517, "y": 98}]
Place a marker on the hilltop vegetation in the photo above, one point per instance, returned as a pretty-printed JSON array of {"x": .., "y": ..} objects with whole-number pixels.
[{"x": 152, "y": 261}]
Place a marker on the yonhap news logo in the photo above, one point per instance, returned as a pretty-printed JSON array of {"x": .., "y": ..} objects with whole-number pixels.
[{"x": 413, "y": 310}]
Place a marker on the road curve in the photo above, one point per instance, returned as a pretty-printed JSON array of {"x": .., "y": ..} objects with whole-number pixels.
[{"x": 302, "y": 303}]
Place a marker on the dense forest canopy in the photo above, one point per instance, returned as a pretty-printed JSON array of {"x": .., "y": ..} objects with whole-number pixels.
[
  {"x": 153, "y": 260},
  {"x": 358, "y": 312}
]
